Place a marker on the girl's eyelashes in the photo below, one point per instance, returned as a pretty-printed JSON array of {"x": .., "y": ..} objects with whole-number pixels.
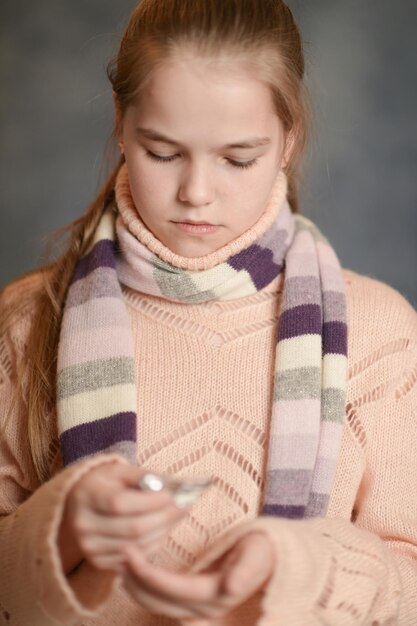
[
  {"x": 238, "y": 164},
  {"x": 155, "y": 157},
  {"x": 243, "y": 164}
]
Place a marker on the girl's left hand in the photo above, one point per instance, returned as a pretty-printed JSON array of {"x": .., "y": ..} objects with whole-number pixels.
[{"x": 210, "y": 594}]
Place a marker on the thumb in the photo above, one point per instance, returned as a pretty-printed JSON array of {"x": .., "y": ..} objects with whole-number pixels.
[{"x": 247, "y": 566}]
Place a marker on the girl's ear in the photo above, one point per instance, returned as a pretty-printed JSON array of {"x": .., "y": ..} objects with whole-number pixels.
[{"x": 117, "y": 118}]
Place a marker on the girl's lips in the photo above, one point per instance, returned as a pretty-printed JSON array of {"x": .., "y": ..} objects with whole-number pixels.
[{"x": 197, "y": 229}]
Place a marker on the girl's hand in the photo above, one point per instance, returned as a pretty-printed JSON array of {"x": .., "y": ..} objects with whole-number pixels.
[
  {"x": 244, "y": 570},
  {"x": 104, "y": 513}
]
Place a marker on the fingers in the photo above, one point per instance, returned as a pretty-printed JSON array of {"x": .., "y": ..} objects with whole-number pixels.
[
  {"x": 195, "y": 598},
  {"x": 155, "y": 604},
  {"x": 108, "y": 545},
  {"x": 108, "y": 553},
  {"x": 129, "y": 501},
  {"x": 102, "y": 539},
  {"x": 104, "y": 511},
  {"x": 130, "y": 526},
  {"x": 111, "y": 561},
  {"x": 112, "y": 490},
  {"x": 153, "y": 542},
  {"x": 169, "y": 585},
  {"x": 248, "y": 565}
]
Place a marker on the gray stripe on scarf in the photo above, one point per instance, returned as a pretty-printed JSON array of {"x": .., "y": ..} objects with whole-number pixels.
[
  {"x": 332, "y": 404},
  {"x": 175, "y": 283},
  {"x": 95, "y": 375},
  {"x": 298, "y": 384}
]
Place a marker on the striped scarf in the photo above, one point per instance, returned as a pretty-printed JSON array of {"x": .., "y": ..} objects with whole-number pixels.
[{"x": 96, "y": 366}]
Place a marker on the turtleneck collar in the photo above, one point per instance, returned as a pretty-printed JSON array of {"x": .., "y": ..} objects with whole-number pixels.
[{"x": 131, "y": 220}]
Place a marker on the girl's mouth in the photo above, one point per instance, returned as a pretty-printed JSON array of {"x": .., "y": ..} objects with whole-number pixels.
[{"x": 197, "y": 229}]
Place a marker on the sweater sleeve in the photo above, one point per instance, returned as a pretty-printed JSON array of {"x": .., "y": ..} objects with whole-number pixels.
[
  {"x": 33, "y": 586},
  {"x": 339, "y": 572}
]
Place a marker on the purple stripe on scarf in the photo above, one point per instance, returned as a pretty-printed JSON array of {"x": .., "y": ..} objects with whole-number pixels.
[
  {"x": 335, "y": 338},
  {"x": 263, "y": 271},
  {"x": 300, "y": 320},
  {"x": 284, "y": 510},
  {"x": 90, "y": 438},
  {"x": 97, "y": 282},
  {"x": 101, "y": 255}
]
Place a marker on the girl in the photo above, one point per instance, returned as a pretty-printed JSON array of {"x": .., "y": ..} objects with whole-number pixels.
[{"x": 198, "y": 326}]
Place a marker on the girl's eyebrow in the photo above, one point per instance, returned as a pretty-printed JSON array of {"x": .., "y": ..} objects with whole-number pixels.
[{"x": 247, "y": 143}]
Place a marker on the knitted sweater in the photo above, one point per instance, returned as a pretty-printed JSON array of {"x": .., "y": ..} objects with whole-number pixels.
[{"x": 358, "y": 565}]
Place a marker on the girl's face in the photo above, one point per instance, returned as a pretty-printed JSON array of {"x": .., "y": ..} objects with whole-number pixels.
[{"x": 204, "y": 144}]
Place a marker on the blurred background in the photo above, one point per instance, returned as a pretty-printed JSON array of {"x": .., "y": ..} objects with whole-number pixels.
[{"x": 360, "y": 177}]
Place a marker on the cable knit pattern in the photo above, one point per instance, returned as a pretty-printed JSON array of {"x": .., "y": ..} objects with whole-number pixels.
[{"x": 356, "y": 566}]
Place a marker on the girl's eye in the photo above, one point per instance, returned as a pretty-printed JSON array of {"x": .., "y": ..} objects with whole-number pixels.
[
  {"x": 243, "y": 164},
  {"x": 155, "y": 157},
  {"x": 238, "y": 164}
]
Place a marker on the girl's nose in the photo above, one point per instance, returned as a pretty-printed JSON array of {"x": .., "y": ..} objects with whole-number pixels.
[{"x": 196, "y": 186}]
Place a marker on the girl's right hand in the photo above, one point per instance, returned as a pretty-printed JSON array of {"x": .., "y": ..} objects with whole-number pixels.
[{"x": 105, "y": 511}]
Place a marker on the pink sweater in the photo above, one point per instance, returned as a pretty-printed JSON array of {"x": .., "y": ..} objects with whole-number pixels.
[{"x": 358, "y": 565}]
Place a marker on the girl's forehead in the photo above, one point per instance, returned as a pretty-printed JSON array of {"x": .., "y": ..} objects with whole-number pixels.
[
  {"x": 189, "y": 102},
  {"x": 184, "y": 86}
]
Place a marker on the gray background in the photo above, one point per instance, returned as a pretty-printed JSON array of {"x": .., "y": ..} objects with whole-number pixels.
[{"x": 360, "y": 188}]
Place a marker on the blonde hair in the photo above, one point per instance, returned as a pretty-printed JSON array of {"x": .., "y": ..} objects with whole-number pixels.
[{"x": 260, "y": 33}]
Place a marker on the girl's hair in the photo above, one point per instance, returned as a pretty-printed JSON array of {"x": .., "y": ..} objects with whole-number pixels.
[{"x": 262, "y": 34}]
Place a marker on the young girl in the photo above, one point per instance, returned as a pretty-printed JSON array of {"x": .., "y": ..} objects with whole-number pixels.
[{"x": 197, "y": 326}]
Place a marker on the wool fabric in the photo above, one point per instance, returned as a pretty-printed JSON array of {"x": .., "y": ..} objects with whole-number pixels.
[{"x": 96, "y": 368}]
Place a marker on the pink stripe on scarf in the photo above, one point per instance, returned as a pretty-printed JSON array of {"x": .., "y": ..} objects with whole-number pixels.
[{"x": 91, "y": 345}]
